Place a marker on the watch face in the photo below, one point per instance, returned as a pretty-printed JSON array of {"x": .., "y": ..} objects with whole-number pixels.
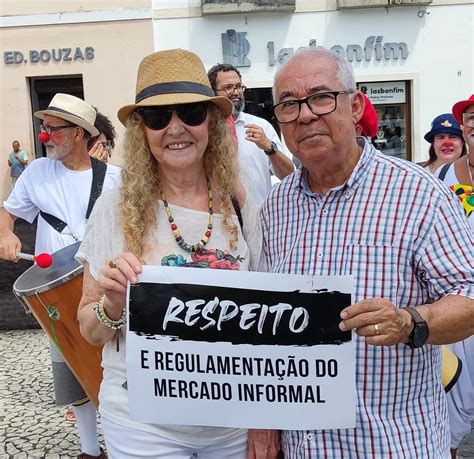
[{"x": 420, "y": 334}]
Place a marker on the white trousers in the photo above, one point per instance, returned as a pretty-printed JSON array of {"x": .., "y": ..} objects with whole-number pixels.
[{"x": 126, "y": 443}]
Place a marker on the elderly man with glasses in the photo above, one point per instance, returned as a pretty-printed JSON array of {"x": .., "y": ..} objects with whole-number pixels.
[
  {"x": 259, "y": 147},
  {"x": 401, "y": 234}
]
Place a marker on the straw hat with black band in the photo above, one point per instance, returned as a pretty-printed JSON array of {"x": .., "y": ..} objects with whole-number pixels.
[
  {"x": 72, "y": 109},
  {"x": 172, "y": 77}
]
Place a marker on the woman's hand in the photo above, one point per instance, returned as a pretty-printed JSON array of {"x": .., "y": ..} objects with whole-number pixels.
[
  {"x": 98, "y": 151},
  {"x": 113, "y": 278}
]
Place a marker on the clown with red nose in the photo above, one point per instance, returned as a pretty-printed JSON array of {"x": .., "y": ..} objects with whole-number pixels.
[{"x": 446, "y": 142}]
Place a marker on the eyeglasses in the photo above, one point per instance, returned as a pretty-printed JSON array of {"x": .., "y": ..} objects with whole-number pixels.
[
  {"x": 468, "y": 119},
  {"x": 321, "y": 103},
  {"x": 157, "y": 118},
  {"x": 230, "y": 88},
  {"x": 52, "y": 129}
]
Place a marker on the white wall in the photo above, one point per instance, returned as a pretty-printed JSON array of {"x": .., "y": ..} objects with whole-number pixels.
[{"x": 440, "y": 44}]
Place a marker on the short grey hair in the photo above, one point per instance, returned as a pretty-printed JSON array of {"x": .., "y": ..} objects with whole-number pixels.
[{"x": 345, "y": 72}]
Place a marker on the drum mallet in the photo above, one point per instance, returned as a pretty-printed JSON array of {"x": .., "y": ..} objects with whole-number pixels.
[{"x": 43, "y": 260}]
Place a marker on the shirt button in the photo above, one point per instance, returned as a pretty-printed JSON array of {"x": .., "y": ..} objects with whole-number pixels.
[
  {"x": 309, "y": 436},
  {"x": 325, "y": 212},
  {"x": 320, "y": 254}
]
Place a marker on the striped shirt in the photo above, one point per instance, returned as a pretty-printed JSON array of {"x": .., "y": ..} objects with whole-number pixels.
[{"x": 403, "y": 236}]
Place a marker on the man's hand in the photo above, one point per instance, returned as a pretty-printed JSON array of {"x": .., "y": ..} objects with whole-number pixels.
[
  {"x": 9, "y": 245},
  {"x": 256, "y": 135},
  {"x": 378, "y": 320},
  {"x": 263, "y": 444}
]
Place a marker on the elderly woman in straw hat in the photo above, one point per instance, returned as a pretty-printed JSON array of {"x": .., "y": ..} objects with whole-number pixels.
[{"x": 177, "y": 205}]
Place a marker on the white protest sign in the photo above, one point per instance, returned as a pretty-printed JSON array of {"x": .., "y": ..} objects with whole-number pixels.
[{"x": 240, "y": 349}]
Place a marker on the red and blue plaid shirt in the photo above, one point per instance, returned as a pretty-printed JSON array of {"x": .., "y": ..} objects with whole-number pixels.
[{"x": 403, "y": 236}]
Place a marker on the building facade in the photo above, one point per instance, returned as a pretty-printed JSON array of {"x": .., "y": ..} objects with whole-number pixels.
[
  {"x": 412, "y": 58},
  {"x": 88, "y": 49}
]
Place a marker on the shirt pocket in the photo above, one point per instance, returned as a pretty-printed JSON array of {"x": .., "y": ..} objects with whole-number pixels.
[{"x": 374, "y": 268}]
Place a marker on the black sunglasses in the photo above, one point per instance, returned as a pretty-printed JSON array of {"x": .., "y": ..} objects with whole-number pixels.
[{"x": 159, "y": 117}]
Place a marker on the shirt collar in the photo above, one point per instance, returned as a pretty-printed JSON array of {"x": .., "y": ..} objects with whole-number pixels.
[
  {"x": 240, "y": 118},
  {"x": 357, "y": 176}
]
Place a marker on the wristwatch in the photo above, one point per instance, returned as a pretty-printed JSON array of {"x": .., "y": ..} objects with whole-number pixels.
[
  {"x": 419, "y": 334},
  {"x": 273, "y": 149}
]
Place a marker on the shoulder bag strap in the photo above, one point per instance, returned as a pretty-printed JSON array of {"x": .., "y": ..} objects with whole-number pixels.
[
  {"x": 444, "y": 171},
  {"x": 236, "y": 205}
]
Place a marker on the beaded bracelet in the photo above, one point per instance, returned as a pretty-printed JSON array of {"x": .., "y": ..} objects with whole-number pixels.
[{"x": 107, "y": 321}]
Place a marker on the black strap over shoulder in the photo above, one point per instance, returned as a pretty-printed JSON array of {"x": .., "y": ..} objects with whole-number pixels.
[
  {"x": 99, "y": 169},
  {"x": 444, "y": 171},
  {"x": 236, "y": 205},
  {"x": 55, "y": 222}
]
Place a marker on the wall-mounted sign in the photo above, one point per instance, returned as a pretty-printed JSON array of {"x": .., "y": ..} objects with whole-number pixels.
[
  {"x": 390, "y": 92},
  {"x": 47, "y": 55},
  {"x": 235, "y": 48}
]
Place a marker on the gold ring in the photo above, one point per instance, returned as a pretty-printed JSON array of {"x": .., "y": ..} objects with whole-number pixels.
[
  {"x": 112, "y": 263},
  {"x": 376, "y": 327}
]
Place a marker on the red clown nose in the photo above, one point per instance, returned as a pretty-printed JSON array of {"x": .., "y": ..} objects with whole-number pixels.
[
  {"x": 44, "y": 137},
  {"x": 447, "y": 144}
]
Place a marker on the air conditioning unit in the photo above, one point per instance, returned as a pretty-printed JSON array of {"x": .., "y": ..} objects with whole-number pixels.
[
  {"x": 210, "y": 7},
  {"x": 409, "y": 2},
  {"x": 348, "y": 4}
]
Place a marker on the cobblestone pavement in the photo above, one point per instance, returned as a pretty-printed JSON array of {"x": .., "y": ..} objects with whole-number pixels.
[{"x": 31, "y": 425}]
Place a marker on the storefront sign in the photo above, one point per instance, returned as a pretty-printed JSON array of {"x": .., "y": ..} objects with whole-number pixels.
[
  {"x": 47, "y": 55},
  {"x": 240, "y": 349},
  {"x": 392, "y": 92},
  {"x": 235, "y": 48}
]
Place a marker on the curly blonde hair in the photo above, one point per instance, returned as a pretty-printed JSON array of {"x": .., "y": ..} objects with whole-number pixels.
[{"x": 139, "y": 193}]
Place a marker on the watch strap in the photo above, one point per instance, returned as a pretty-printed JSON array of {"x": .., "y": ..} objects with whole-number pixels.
[
  {"x": 417, "y": 317},
  {"x": 272, "y": 150}
]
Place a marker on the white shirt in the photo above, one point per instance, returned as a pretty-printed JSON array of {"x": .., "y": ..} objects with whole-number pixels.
[
  {"x": 451, "y": 179},
  {"x": 47, "y": 185},
  {"x": 254, "y": 164},
  {"x": 461, "y": 396}
]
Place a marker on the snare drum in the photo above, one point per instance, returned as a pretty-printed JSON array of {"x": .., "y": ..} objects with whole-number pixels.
[{"x": 53, "y": 294}]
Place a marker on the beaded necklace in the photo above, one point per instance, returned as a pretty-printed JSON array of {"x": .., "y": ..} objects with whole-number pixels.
[{"x": 174, "y": 227}]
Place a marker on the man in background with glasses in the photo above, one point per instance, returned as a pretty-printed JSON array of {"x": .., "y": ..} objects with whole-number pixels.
[
  {"x": 259, "y": 147},
  {"x": 59, "y": 186},
  {"x": 401, "y": 234}
]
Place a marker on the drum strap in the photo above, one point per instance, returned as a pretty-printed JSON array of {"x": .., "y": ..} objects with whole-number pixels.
[{"x": 99, "y": 169}]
